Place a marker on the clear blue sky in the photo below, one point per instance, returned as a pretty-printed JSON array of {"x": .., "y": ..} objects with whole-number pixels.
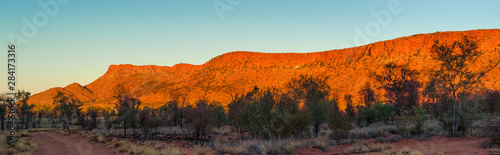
[{"x": 79, "y": 41}]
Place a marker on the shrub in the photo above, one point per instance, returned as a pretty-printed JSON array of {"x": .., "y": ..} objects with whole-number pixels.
[
  {"x": 467, "y": 112},
  {"x": 384, "y": 112},
  {"x": 491, "y": 128},
  {"x": 339, "y": 124},
  {"x": 378, "y": 112},
  {"x": 224, "y": 130},
  {"x": 199, "y": 119},
  {"x": 202, "y": 150},
  {"x": 367, "y": 115},
  {"x": 373, "y": 131},
  {"x": 419, "y": 119},
  {"x": 267, "y": 118},
  {"x": 321, "y": 143},
  {"x": 235, "y": 147}
]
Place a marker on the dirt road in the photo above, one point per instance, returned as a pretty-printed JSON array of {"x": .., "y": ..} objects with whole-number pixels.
[{"x": 50, "y": 143}]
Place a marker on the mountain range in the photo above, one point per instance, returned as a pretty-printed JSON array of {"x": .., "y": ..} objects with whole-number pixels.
[{"x": 227, "y": 75}]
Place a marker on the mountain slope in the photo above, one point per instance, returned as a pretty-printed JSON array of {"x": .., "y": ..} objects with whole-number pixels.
[{"x": 348, "y": 70}]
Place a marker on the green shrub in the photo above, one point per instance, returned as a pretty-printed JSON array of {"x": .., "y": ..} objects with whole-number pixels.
[
  {"x": 267, "y": 118},
  {"x": 419, "y": 119},
  {"x": 339, "y": 124}
]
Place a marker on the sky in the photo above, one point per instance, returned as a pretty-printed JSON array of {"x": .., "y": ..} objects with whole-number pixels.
[{"x": 59, "y": 42}]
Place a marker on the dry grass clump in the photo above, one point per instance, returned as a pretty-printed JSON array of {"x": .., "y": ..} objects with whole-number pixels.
[
  {"x": 96, "y": 138},
  {"x": 224, "y": 130},
  {"x": 224, "y": 146},
  {"x": 359, "y": 148},
  {"x": 40, "y": 129},
  {"x": 278, "y": 146},
  {"x": 290, "y": 145},
  {"x": 403, "y": 151},
  {"x": 432, "y": 128},
  {"x": 172, "y": 130},
  {"x": 63, "y": 132},
  {"x": 321, "y": 143},
  {"x": 170, "y": 151},
  {"x": 23, "y": 146},
  {"x": 135, "y": 149},
  {"x": 270, "y": 147},
  {"x": 373, "y": 131},
  {"x": 202, "y": 150},
  {"x": 123, "y": 146}
]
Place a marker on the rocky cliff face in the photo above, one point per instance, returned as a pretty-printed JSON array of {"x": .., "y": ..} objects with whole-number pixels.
[{"x": 348, "y": 70}]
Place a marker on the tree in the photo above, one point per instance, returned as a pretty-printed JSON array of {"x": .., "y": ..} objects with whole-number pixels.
[
  {"x": 367, "y": 95},
  {"x": 349, "y": 107},
  {"x": 492, "y": 100},
  {"x": 127, "y": 107},
  {"x": 108, "y": 113},
  {"x": 67, "y": 107},
  {"x": 218, "y": 114},
  {"x": 3, "y": 112},
  {"x": 93, "y": 113},
  {"x": 233, "y": 91},
  {"x": 178, "y": 103},
  {"x": 200, "y": 118},
  {"x": 457, "y": 70},
  {"x": 24, "y": 110},
  {"x": 273, "y": 116},
  {"x": 339, "y": 123},
  {"x": 400, "y": 84},
  {"x": 314, "y": 90}
]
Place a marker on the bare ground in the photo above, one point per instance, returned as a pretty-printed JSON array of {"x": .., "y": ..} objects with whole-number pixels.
[{"x": 50, "y": 143}]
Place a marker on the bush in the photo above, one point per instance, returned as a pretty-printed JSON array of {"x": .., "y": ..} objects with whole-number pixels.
[
  {"x": 267, "y": 118},
  {"x": 231, "y": 147},
  {"x": 202, "y": 150},
  {"x": 419, "y": 119},
  {"x": 367, "y": 116},
  {"x": 199, "y": 119},
  {"x": 467, "y": 112},
  {"x": 491, "y": 128},
  {"x": 339, "y": 124},
  {"x": 378, "y": 112}
]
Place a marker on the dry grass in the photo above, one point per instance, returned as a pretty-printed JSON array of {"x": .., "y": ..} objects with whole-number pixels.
[
  {"x": 372, "y": 131},
  {"x": 270, "y": 147},
  {"x": 403, "y": 151},
  {"x": 290, "y": 145},
  {"x": 24, "y": 145},
  {"x": 123, "y": 146},
  {"x": 365, "y": 148},
  {"x": 40, "y": 129},
  {"x": 170, "y": 151},
  {"x": 278, "y": 146},
  {"x": 222, "y": 147},
  {"x": 173, "y": 130},
  {"x": 202, "y": 150},
  {"x": 224, "y": 130},
  {"x": 321, "y": 143},
  {"x": 432, "y": 128},
  {"x": 96, "y": 138}
]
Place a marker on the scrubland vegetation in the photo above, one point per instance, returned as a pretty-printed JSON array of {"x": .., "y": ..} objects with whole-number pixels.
[{"x": 305, "y": 113}]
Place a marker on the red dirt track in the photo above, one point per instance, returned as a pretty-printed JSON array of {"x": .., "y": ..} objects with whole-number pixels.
[{"x": 50, "y": 143}]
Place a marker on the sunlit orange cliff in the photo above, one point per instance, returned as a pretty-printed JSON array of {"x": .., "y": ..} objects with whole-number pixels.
[{"x": 348, "y": 70}]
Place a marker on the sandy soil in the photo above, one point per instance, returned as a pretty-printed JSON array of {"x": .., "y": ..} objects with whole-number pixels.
[{"x": 56, "y": 144}]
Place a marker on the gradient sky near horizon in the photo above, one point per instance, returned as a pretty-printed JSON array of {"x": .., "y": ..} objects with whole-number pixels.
[{"x": 84, "y": 37}]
